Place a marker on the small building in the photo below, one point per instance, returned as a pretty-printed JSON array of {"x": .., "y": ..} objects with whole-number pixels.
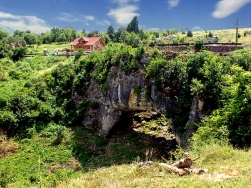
[{"x": 88, "y": 44}]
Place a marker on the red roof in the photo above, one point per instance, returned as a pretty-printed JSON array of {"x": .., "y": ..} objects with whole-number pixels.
[{"x": 85, "y": 41}]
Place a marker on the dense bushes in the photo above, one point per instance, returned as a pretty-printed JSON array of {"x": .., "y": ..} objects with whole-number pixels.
[
  {"x": 37, "y": 91},
  {"x": 222, "y": 83}
]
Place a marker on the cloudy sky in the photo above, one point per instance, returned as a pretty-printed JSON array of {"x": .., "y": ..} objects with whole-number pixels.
[{"x": 41, "y": 15}]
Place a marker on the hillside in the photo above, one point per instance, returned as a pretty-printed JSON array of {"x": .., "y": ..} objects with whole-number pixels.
[{"x": 53, "y": 111}]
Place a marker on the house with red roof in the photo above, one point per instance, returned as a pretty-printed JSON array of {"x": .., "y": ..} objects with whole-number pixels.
[{"x": 88, "y": 44}]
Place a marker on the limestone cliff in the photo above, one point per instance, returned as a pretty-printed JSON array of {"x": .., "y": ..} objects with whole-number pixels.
[
  {"x": 125, "y": 93},
  {"x": 128, "y": 93}
]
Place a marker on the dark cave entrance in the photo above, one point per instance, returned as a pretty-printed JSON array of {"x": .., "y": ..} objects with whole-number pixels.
[{"x": 124, "y": 125}]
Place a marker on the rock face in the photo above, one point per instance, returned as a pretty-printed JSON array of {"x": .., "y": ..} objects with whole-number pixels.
[
  {"x": 195, "y": 115},
  {"x": 125, "y": 93},
  {"x": 130, "y": 93}
]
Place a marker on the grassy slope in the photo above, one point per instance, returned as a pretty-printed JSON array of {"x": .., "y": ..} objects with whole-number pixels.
[
  {"x": 227, "y": 168},
  {"x": 223, "y": 35},
  {"x": 80, "y": 159}
]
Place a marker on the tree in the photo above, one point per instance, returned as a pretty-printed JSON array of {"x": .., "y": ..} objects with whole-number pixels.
[
  {"x": 83, "y": 33},
  {"x": 143, "y": 34},
  {"x": 4, "y": 49},
  {"x": 94, "y": 34},
  {"x": 210, "y": 34},
  {"x": 133, "y": 25},
  {"x": 132, "y": 39},
  {"x": 121, "y": 34},
  {"x": 61, "y": 38},
  {"x": 155, "y": 33},
  {"x": 199, "y": 45},
  {"x": 189, "y": 34},
  {"x": 17, "y": 53},
  {"x": 3, "y": 34},
  {"x": 70, "y": 34},
  {"x": 30, "y": 38},
  {"x": 18, "y": 33},
  {"x": 110, "y": 32},
  {"x": 46, "y": 38},
  {"x": 55, "y": 32}
]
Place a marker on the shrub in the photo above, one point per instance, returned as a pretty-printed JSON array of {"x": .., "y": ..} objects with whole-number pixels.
[
  {"x": 189, "y": 34},
  {"x": 199, "y": 45},
  {"x": 17, "y": 53},
  {"x": 78, "y": 55},
  {"x": 210, "y": 34}
]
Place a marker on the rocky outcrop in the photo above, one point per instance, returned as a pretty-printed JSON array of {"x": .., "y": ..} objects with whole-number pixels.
[
  {"x": 131, "y": 93},
  {"x": 125, "y": 93},
  {"x": 195, "y": 116}
]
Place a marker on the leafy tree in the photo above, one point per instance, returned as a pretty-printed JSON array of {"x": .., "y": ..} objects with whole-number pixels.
[
  {"x": 155, "y": 33},
  {"x": 3, "y": 34},
  {"x": 143, "y": 34},
  {"x": 189, "y": 34},
  {"x": 121, "y": 34},
  {"x": 132, "y": 39},
  {"x": 94, "y": 34},
  {"x": 78, "y": 55},
  {"x": 70, "y": 34},
  {"x": 18, "y": 33},
  {"x": 61, "y": 38},
  {"x": 133, "y": 25},
  {"x": 199, "y": 45},
  {"x": 30, "y": 38},
  {"x": 105, "y": 38},
  {"x": 46, "y": 38},
  {"x": 55, "y": 33},
  {"x": 17, "y": 53},
  {"x": 83, "y": 33},
  {"x": 4, "y": 49},
  {"x": 210, "y": 34}
]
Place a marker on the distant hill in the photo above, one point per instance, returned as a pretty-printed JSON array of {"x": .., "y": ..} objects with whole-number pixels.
[{"x": 7, "y": 29}]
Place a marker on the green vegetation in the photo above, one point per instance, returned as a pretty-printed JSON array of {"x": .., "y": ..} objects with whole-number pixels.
[{"x": 42, "y": 141}]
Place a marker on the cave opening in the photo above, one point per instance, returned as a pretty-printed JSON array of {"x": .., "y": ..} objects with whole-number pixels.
[{"x": 124, "y": 125}]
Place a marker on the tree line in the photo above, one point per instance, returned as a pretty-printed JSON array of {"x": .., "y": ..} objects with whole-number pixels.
[{"x": 130, "y": 35}]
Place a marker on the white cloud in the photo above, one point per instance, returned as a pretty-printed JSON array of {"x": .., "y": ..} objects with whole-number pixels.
[
  {"x": 89, "y": 18},
  {"x": 17, "y": 22},
  {"x": 154, "y": 29},
  {"x": 197, "y": 28},
  {"x": 125, "y": 12},
  {"x": 67, "y": 17},
  {"x": 173, "y": 3},
  {"x": 225, "y": 8},
  {"x": 74, "y": 17},
  {"x": 103, "y": 22}
]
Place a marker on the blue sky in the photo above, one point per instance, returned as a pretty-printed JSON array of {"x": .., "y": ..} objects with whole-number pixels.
[{"x": 41, "y": 15}]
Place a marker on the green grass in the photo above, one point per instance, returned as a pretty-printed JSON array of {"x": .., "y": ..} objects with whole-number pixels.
[
  {"x": 75, "y": 157},
  {"x": 38, "y": 50},
  {"x": 58, "y": 154},
  {"x": 227, "y": 167},
  {"x": 225, "y": 36}
]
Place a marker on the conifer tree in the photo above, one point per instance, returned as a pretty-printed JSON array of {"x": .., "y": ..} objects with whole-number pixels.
[{"x": 133, "y": 25}]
